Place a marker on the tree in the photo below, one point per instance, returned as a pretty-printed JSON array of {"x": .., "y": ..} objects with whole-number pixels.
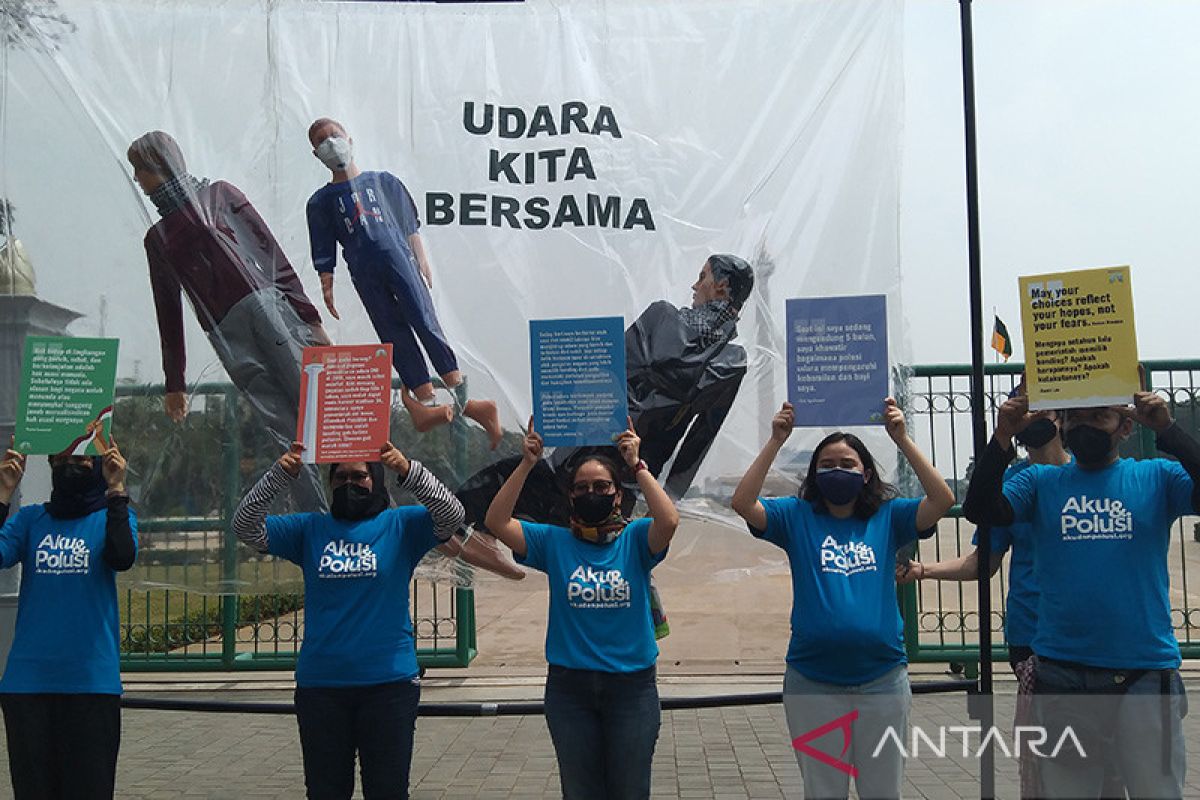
[{"x": 33, "y": 23}]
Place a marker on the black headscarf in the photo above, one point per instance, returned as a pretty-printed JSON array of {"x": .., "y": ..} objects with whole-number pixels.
[
  {"x": 380, "y": 500},
  {"x": 72, "y": 502}
]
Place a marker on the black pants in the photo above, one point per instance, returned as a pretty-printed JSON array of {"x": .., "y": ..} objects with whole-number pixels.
[
  {"x": 377, "y": 722},
  {"x": 62, "y": 745}
]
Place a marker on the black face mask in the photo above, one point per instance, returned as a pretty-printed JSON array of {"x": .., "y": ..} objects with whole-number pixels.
[
  {"x": 1039, "y": 433},
  {"x": 76, "y": 489},
  {"x": 592, "y": 508},
  {"x": 352, "y": 502},
  {"x": 1090, "y": 444}
]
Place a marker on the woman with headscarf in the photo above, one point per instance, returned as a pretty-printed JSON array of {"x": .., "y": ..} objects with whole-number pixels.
[
  {"x": 212, "y": 245},
  {"x": 61, "y": 690},
  {"x": 601, "y": 701},
  {"x": 357, "y": 684}
]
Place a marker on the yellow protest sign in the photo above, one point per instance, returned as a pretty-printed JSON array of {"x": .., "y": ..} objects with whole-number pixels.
[{"x": 1080, "y": 341}]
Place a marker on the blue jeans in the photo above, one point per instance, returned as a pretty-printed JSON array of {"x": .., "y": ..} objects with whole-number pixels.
[
  {"x": 377, "y": 722},
  {"x": 401, "y": 310},
  {"x": 604, "y": 726},
  {"x": 1131, "y": 718}
]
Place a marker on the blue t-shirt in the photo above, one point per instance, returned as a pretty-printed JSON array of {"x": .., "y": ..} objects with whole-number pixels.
[
  {"x": 846, "y": 626},
  {"x": 1020, "y": 614},
  {"x": 599, "y": 597},
  {"x": 357, "y": 625},
  {"x": 1101, "y": 539},
  {"x": 371, "y": 216},
  {"x": 67, "y": 635}
]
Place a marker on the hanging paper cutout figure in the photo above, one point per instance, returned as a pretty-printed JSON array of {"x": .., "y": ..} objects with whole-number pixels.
[
  {"x": 212, "y": 245},
  {"x": 683, "y": 373},
  {"x": 373, "y": 217}
]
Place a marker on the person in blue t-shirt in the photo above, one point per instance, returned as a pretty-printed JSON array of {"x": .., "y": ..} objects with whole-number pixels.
[
  {"x": 357, "y": 680},
  {"x": 601, "y": 701},
  {"x": 373, "y": 217},
  {"x": 1043, "y": 442},
  {"x": 1107, "y": 659},
  {"x": 61, "y": 690},
  {"x": 845, "y": 662},
  {"x": 1044, "y": 445}
]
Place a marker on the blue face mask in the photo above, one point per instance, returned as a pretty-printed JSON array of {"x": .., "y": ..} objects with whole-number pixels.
[{"x": 839, "y": 486}]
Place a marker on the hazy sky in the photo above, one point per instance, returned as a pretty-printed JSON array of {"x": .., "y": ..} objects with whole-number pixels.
[{"x": 1087, "y": 125}]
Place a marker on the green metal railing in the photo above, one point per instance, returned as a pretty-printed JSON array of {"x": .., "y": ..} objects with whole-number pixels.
[
  {"x": 174, "y": 629},
  {"x": 940, "y": 620}
]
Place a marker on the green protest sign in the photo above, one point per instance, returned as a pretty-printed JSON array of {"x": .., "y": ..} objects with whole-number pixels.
[{"x": 67, "y": 390}]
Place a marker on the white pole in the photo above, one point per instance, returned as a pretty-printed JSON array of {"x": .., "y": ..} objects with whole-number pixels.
[{"x": 312, "y": 403}]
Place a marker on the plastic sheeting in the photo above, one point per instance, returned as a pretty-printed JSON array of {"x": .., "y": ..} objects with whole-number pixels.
[{"x": 566, "y": 159}]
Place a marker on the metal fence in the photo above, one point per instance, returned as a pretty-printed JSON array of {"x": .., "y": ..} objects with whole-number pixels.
[
  {"x": 220, "y": 625},
  {"x": 173, "y": 629},
  {"x": 941, "y": 621}
]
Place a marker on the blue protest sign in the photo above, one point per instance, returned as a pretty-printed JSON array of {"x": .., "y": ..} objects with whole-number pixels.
[
  {"x": 578, "y": 369},
  {"x": 837, "y": 360}
]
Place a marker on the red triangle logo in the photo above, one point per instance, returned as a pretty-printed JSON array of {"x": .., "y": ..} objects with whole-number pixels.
[{"x": 842, "y": 723}]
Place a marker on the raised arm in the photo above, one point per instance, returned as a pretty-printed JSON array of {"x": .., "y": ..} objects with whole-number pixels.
[
  {"x": 745, "y": 496},
  {"x": 250, "y": 519},
  {"x": 1152, "y": 411},
  {"x": 985, "y": 503},
  {"x": 12, "y": 540},
  {"x": 663, "y": 514},
  {"x": 499, "y": 518},
  {"x": 445, "y": 509},
  {"x": 120, "y": 547},
  {"x": 938, "y": 497}
]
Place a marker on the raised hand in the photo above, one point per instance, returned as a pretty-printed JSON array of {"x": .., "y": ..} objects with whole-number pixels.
[
  {"x": 114, "y": 466},
  {"x": 291, "y": 460},
  {"x": 12, "y": 469},
  {"x": 783, "y": 423},
  {"x": 1014, "y": 416},
  {"x": 629, "y": 444},
  {"x": 893, "y": 420},
  {"x": 394, "y": 460},
  {"x": 532, "y": 446},
  {"x": 1149, "y": 409}
]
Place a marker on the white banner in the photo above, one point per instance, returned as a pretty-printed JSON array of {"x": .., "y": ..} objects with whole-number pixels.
[{"x": 572, "y": 159}]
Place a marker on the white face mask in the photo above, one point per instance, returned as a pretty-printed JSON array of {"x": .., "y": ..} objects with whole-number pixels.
[{"x": 335, "y": 152}]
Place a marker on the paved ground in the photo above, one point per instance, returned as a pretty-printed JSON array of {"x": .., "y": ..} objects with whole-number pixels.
[
  {"x": 737, "y": 752},
  {"x": 728, "y": 598}
]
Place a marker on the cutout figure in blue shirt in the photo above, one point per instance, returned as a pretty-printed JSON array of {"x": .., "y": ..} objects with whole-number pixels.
[{"x": 374, "y": 219}]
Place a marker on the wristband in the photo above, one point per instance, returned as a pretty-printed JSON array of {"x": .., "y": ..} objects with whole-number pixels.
[{"x": 639, "y": 466}]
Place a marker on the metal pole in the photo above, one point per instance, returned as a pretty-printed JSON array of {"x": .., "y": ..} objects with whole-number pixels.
[
  {"x": 984, "y": 709},
  {"x": 231, "y": 470}
]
